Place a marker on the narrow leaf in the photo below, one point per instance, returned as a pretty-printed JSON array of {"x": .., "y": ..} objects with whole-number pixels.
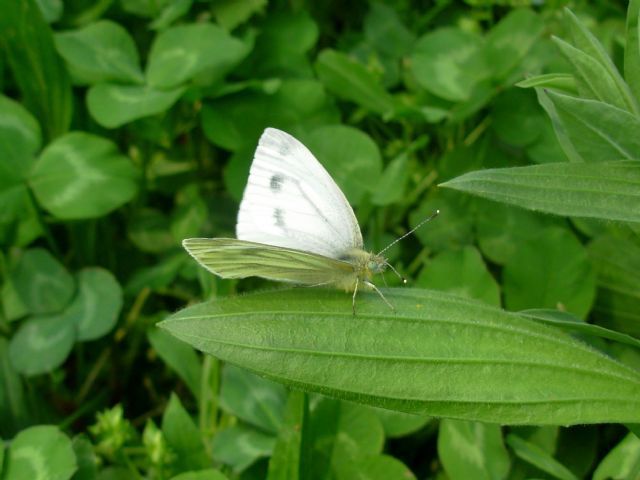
[
  {"x": 183, "y": 437},
  {"x": 564, "y": 139},
  {"x": 559, "y": 81},
  {"x": 568, "y": 322},
  {"x": 607, "y": 190},
  {"x": 180, "y": 357},
  {"x": 584, "y": 40},
  {"x": 350, "y": 80},
  {"x": 598, "y": 131},
  {"x": 435, "y": 355},
  {"x": 535, "y": 455},
  {"x": 593, "y": 79},
  {"x": 37, "y": 69},
  {"x": 632, "y": 48},
  {"x": 617, "y": 262}
]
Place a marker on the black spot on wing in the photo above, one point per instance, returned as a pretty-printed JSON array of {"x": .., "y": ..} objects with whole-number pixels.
[
  {"x": 278, "y": 217},
  {"x": 276, "y": 181}
]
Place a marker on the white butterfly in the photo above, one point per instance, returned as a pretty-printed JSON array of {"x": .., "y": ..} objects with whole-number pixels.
[{"x": 294, "y": 225}]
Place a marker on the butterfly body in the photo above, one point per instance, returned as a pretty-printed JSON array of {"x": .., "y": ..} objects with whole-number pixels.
[{"x": 294, "y": 225}]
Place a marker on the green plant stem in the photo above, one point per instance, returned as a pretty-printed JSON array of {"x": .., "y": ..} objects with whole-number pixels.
[{"x": 208, "y": 408}]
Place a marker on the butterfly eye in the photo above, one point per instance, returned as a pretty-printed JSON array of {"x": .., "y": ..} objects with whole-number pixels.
[{"x": 375, "y": 266}]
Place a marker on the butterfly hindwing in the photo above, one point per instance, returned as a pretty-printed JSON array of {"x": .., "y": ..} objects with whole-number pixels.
[
  {"x": 291, "y": 201},
  {"x": 233, "y": 258}
]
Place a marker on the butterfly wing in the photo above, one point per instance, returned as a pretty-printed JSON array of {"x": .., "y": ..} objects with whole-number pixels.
[
  {"x": 233, "y": 258},
  {"x": 291, "y": 201}
]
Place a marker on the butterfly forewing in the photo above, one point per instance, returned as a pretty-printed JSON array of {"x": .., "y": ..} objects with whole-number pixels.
[
  {"x": 291, "y": 201},
  {"x": 233, "y": 258}
]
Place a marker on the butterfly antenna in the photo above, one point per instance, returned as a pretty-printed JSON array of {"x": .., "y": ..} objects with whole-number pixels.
[
  {"x": 404, "y": 280},
  {"x": 430, "y": 217}
]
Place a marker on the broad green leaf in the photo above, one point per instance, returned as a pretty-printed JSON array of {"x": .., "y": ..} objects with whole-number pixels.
[
  {"x": 461, "y": 272},
  {"x": 42, "y": 344},
  {"x": 13, "y": 308},
  {"x": 617, "y": 262},
  {"x": 14, "y": 413},
  {"x": 550, "y": 270},
  {"x": 97, "y": 178},
  {"x": 592, "y": 78},
  {"x": 41, "y": 282},
  {"x": 51, "y": 9},
  {"x": 399, "y": 424},
  {"x": 172, "y": 11},
  {"x": 117, "y": 473},
  {"x": 435, "y": 355},
  {"x": 350, "y": 156},
  {"x": 392, "y": 185},
  {"x": 183, "y": 437},
  {"x": 40, "y": 453},
  {"x": 517, "y": 118},
  {"x": 37, "y": 69},
  {"x": 100, "y": 52},
  {"x": 149, "y": 231},
  {"x": 623, "y": 461},
  {"x": 281, "y": 48},
  {"x": 159, "y": 275},
  {"x": 255, "y": 400},
  {"x": 385, "y": 31},
  {"x": 343, "y": 433},
  {"x": 97, "y": 303},
  {"x": 536, "y": 456},
  {"x": 606, "y": 190},
  {"x": 290, "y": 455},
  {"x": 500, "y": 228},
  {"x": 114, "y": 105},
  {"x": 86, "y": 458},
  {"x": 348, "y": 79},
  {"x": 472, "y": 450},
  {"x": 599, "y": 131},
  {"x": 547, "y": 147},
  {"x": 21, "y": 129},
  {"x": 236, "y": 121},
  {"x": 632, "y": 48},
  {"x": 180, "y": 53},
  {"x": 232, "y": 13},
  {"x": 589, "y": 44},
  {"x": 375, "y": 467},
  {"x": 448, "y": 63},
  {"x": 190, "y": 213},
  {"x": 452, "y": 228},
  {"x": 208, "y": 474},
  {"x": 240, "y": 446},
  {"x": 564, "y": 82},
  {"x": 507, "y": 44},
  {"x": 20, "y": 138},
  {"x": 179, "y": 356}
]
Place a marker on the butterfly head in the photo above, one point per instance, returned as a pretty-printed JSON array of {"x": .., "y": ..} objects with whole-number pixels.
[{"x": 376, "y": 264}]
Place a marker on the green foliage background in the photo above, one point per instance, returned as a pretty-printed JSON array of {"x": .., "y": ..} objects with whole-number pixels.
[{"x": 129, "y": 125}]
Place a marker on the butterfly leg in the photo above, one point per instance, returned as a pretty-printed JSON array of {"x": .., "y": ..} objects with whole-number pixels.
[
  {"x": 355, "y": 291},
  {"x": 373, "y": 287}
]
